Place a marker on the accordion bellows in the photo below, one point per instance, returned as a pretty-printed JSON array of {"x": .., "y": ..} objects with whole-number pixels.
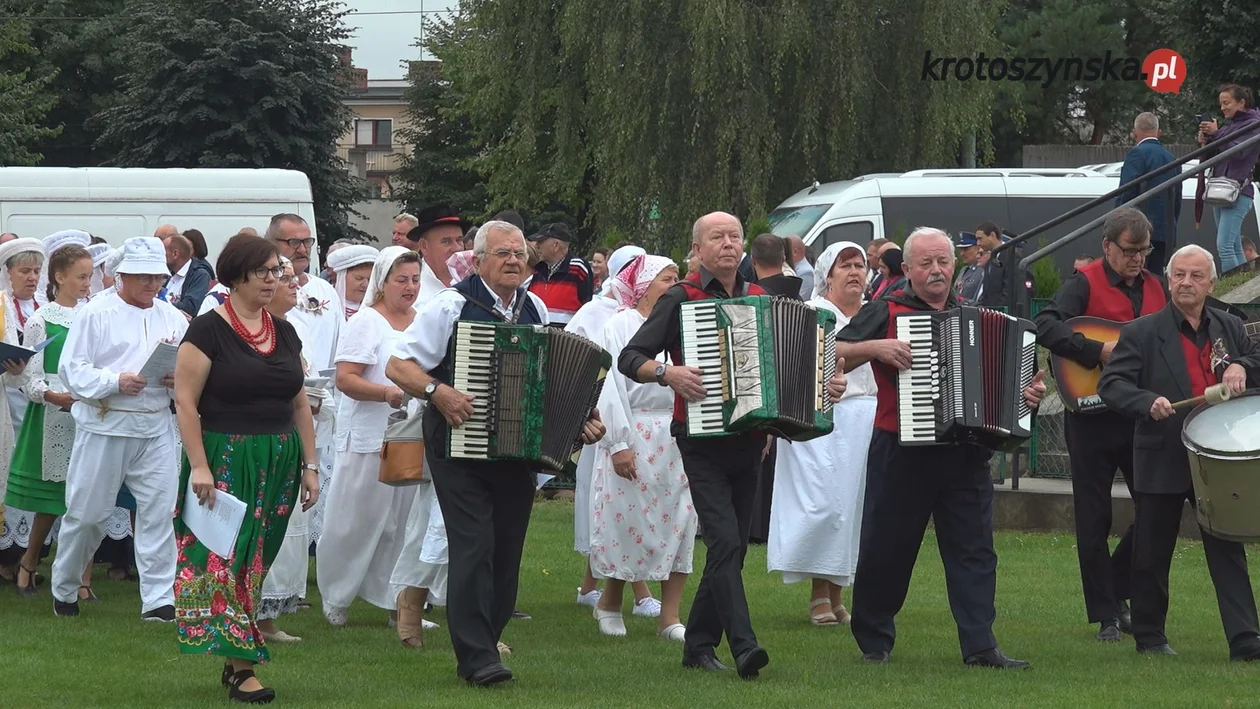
[
  {"x": 767, "y": 361},
  {"x": 534, "y": 388}
]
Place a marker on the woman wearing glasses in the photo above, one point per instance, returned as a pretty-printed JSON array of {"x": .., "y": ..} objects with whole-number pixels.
[
  {"x": 248, "y": 432},
  {"x": 365, "y": 519}
]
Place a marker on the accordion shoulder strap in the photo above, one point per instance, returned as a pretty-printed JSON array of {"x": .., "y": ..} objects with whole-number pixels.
[{"x": 521, "y": 297}]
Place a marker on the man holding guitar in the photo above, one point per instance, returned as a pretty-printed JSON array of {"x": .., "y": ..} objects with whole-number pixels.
[{"x": 1080, "y": 327}]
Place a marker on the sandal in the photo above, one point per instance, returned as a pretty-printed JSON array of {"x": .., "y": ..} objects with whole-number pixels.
[
  {"x": 825, "y": 618},
  {"x": 610, "y": 622},
  {"x": 842, "y": 615},
  {"x": 504, "y": 649},
  {"x": 257, "y": 696},
  {"x": 91, "y": 595},
  {"x": 30, "y": 588},
  {"x": 676, "y": 632},
  {"x": 410, "y": 617}
]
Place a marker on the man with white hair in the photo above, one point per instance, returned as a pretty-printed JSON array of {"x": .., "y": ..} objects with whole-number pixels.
[
  {"x": 1173, "y": 355},
  {"x": 1149, "y": 154},
  {"x": 907, "y": 485},
  {"x": 485, "y": 505},
  {"x": 123, "y": 431},
  {"x": 1115, "y": 288},
  {"x": 403, "y": 224}
]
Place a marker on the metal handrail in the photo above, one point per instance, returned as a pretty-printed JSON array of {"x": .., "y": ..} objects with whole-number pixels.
[{"x": 1017, "y": 293}]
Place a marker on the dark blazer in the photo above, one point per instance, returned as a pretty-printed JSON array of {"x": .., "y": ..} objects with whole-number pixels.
[
  {"x": 1148, "y": 362},
  {"x": 196, "y": 285},
  {"x": 786, "y": 286},
  {"x": 1144, "y": 157}
]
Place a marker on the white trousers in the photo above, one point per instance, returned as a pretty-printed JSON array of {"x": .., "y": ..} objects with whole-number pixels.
[
  {"x": 288, "y": 573},
  {"x": 99, "y": 465},
  {"x": 364, "y": 526},
  {"x": 582, "y": 500},
  {"x": 422, "y": 563}
]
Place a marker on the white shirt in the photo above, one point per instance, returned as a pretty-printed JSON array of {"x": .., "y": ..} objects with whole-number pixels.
[
  {"x": 430, "y": 286},
  {"x": 590, "y": 319},
  {"x": 621, "y": 398},
  {"x": 110, "y": 338},
  {"x": 425, "y": 341},
  {"x": 210, "y": 302},
  {"x": 175, "y": 286},
  {"x": 369, "y": 340},
  {"x": 319, "y": 308}
]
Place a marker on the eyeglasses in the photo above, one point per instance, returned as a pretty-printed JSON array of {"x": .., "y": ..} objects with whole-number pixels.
[
  {"x": 295, "y": 243},
  {"x": 261, "y": 273},
  {"x": 1133, "y": 253},
  {"x": 505, "y": 254},
  {"x": 287, "y": 280},
  {"x": 148, "y": 278}
]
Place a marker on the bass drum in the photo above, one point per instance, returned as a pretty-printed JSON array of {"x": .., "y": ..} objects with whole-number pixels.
[{"x": 1223, "y": 442}]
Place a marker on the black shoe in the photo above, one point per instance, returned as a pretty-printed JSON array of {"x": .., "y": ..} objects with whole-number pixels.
[
  {"x": 1109, "y": 631},
  {"x": 708, "y": 663},
  {"x": 227, "y": 675},
  {"x": 259, "y": 696},
  {"x": 995, "y": 659},
  {"x": 1125, "y": 619},
  {"x": 749, "y": 664},
  {"x": 161, "y": 614},
  {"x": 521, "y": 615},
  {"x": 65, "y": 610},
  {"x": 492, "y": 674},
  {"x": 1249, "y": 652},
  {"x": 879, "y": 657},
  {"x": 30, "y": 588},
  {"x": 1163, "y": 649}
]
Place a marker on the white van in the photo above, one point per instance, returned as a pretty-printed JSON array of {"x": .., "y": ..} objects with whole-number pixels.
[
  {"x": 887, "y": 205},
  {"x": 119, "y": 203}
]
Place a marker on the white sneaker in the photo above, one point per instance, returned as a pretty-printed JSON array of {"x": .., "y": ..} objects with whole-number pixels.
[
  {"x": 429, "y": 625},
  {"x": 648, "y": 608},
  {"x": 676, "y": 632},
  {"x": 336, "y": 616},
  {"x": 588, "y": 599}
]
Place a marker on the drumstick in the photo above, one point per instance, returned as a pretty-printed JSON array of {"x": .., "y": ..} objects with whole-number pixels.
[{"x": 1215, "y": 394}]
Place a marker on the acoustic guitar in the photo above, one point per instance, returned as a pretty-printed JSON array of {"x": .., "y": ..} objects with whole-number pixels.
[{"x": 1078, "y": 386}]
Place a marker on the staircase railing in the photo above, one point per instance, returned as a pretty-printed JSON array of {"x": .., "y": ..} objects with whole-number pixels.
[{"x": 1016, "y": 276}]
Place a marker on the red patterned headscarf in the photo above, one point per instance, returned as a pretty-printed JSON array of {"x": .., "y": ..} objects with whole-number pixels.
[{"x": 629, "y": 286}]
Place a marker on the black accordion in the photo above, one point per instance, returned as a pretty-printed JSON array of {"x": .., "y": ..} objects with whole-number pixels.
[
  {"x": 534, "y": 388},
  {"x": 969, "y": 368}
]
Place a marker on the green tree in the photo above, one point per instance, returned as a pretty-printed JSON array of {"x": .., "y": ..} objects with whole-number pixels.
[
  {"x": 238, "y": 83},
  {"x": 439, "y": 166},
  {"x": 78, "y": 55},
  {"x": 24, "y": 103},
  {"x": 646, "y": 115}
]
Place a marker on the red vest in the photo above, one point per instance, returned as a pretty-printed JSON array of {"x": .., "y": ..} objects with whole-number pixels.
[
  {"x": 1198, "y": 365},
  {"x": 886, "y": 376},
  {"x": 691, "y": 286},
  {"x": 1110, "y": 303}
]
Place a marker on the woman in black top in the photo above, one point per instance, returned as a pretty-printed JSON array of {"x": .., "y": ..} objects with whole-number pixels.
[{"x": 248, "y": 432}]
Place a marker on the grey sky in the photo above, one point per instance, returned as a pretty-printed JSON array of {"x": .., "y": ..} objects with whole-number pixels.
[{"x": 381, "y": 42}]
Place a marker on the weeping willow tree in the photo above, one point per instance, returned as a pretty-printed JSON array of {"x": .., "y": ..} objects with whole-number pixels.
[{"x": 638, "y": 117}]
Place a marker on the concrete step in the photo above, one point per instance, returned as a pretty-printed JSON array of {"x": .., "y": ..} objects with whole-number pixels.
[{"x": 1045, "y": 505}]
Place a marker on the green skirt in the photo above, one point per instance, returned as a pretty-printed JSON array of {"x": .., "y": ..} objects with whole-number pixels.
[
  {"x": 216, "y": 599},
  {"x": 27, "y": 488}
]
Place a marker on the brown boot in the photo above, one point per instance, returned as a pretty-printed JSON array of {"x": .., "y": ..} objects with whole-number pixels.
[{"x": 411, "y": 616}]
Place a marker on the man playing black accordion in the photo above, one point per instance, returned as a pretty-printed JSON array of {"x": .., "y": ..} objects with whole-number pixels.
[
  {"x": 721, "y": 469},
  {"x": 906, "y": 485},
  {"x": 485, "y": 503}
]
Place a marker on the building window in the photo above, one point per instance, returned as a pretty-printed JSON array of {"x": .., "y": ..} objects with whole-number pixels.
[{"x": 374, "y": 133}]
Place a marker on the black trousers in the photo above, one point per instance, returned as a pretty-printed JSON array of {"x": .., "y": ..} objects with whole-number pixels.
[
  {"x": 1157, "y": 523},
  {"x": 1097, "y": 445},
  {"x": 1155, "y": 262},
  {"x": 905, "y": 486},
  {"x": 722, "y": 473},
  {"x": 486, "y": 508}
]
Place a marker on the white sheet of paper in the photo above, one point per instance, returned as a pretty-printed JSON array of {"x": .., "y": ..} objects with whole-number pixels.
[
  {"x": 330, "y": 373},
  {"x": 160, "y": 364},
  {"x": 317, "y": 382},
  {"x": 543, "y": 479},
  {"x": 216, "y": 528}
]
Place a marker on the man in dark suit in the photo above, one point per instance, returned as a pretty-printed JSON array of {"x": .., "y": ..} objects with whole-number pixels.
[
  {"x": 1168, "y": 356},
  {"x": 1149, "y": 154}
]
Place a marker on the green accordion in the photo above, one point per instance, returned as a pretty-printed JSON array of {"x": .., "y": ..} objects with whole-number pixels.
[
  {"x": 777, "y": 356},
  {"x": 533, "y": 387}
]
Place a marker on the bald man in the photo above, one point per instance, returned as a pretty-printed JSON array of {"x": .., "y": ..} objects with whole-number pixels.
[
  {"x": 7, "y": 236},
  {"x": 190, "y": 277},
  {"x": 165, "y": 231}
]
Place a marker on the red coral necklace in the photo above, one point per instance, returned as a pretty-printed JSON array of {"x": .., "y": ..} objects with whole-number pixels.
[{"x": 254, "y": 340}]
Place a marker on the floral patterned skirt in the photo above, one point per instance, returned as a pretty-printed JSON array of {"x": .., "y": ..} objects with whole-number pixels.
[{"x": 217, "y": 599}]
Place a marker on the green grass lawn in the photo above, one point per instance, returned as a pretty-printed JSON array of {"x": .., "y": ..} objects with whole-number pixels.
[{"x": 108, "y": 658}]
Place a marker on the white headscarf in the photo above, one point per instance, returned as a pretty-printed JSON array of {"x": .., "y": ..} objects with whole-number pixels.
[
  {"x": 344, "y": 259},
  {"x": 618, "y": 260},
  {"x": 822, "y": 268},
  {"x": 8, "y": 250},
  {"x": 380, "y": 272},
  {"x": 52, "y": 244}
]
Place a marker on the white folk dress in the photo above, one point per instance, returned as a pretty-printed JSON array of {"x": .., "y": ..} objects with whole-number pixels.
[
  {"x": 645, "y": 529},
  {"x": 589, "y": 322},
  {"x": 15, "y": 529},
  {"x": 819, "y": 486},
  {"x": 365, "y": 519}
]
